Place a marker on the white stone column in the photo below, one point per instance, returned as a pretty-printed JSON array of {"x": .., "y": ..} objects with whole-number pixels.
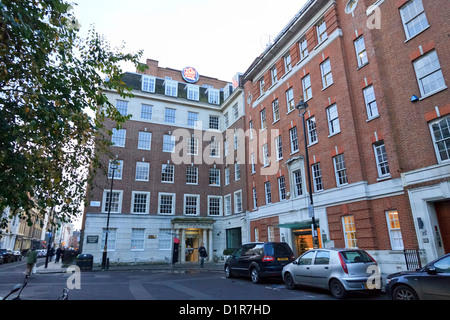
[{"x": 210, "y": 245}]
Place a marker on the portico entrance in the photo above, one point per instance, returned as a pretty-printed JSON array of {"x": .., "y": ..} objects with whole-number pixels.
[{"x": 192, "y": 232}]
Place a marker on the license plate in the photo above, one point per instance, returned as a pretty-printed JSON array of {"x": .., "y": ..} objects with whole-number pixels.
[{"x": 282, "y": 259}]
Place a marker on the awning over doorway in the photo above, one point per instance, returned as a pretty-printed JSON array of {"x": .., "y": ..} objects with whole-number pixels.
[{"x": 298, "y": 225}]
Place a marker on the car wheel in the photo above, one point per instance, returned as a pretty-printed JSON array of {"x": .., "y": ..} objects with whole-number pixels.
[
  {"x": 228, "y": 273},
  {"x": 254, "y": 274},
  {"x": 337, "y": 289},
  {"x": 403, "y": 292},
  {"x": 289, "y": 281}
]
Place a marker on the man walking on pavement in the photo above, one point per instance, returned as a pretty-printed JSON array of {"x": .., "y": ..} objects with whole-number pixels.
[
  {"x": 203, "y": 254},
  {"x": 31, "y": 260}
]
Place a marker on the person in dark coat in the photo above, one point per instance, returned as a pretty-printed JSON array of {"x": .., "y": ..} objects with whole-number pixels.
[
  {"x": 203, "y": 254},
  {"x": 58, "y": 254}
]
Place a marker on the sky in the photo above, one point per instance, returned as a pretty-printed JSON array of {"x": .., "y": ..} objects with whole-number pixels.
[{"x": 218, "y": 38}]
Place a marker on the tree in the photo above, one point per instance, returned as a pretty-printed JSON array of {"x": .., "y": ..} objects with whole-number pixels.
[{"x": 49, "y": 77}]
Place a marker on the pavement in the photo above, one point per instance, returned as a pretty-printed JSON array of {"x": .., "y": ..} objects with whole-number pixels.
[{"x": 53, "y": 267}]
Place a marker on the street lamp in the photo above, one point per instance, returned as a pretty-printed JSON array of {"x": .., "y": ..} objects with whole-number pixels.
[
  {"x": 113, "y": 165},
  {"x": 302, "y": 106}
]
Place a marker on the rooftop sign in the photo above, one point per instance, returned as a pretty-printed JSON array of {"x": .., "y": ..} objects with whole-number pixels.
[{"x": 190, "y": 75}]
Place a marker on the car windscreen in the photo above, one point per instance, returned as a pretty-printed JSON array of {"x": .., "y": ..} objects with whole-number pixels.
[
  {"x": 356, "y": 256},
  {"x": 278, "y": 250}
]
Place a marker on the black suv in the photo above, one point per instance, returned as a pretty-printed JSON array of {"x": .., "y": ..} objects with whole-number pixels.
[{"x": 258, "y": 260}]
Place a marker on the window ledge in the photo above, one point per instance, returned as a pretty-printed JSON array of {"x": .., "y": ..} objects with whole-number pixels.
[{"x": 432, "y": 93}]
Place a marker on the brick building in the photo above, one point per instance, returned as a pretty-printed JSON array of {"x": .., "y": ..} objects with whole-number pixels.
[
  {"x": 379, "y": 157},
  {"x": 374, "y": 74},
  {"x": 175, "y": 179}
]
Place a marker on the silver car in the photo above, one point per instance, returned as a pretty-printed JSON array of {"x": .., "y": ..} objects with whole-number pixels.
[{"x": 337, "y": 270}]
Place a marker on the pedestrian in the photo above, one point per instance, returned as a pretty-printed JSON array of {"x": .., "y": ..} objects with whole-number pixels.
[
  {"x": 51, "y": 253},
  {"x": 58, "y": 254},
  {"x": 203, "y": 254},
  {"x": 31, "y": 260}
]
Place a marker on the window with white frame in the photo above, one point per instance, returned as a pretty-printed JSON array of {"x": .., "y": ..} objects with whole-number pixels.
[
  {"x": 168, "y": 143},
  {"x": 282, "y": 188},
  {"x": 237, "y": 171},
  {"x": 236, "y": 141},
  {"x": 213, "y": 122},
  {"x": 165, "y": 239},
  {"x": 213, "y": 96},
  {"x": 168, "y": 173},
  {"x": 395, "y": 234},
  {"x": 271, "y": 233},
  {"x": 290, "y": 100},
  {"x": 256, "y": 233},
  {"x": 381, "y": 160},
  {"x": 294, "y": 139},
  {"x": 273, "y": 75},
  {"x": 192, "y": 119},
  {"x": 193, "y": 92},
  {"x": 429, "y": 74},
  {"x": 265, "y": 155},
  {"x": 122, "y": 107},
  {"x": 118, "y": 137},
  {"x": 312, "y": 130},
  {"x": 340, "y": 170},
  {"x": 214, "y": 177},
  {"x": 371, "y": 102},
  {"x": 361, "y": 53},
  {"x": 263, "y": 119},
  {"x": 279, "y": 148},
  {"x": 169, "y": 115},
  {"x": 250, "y": 127},
  {"x": 238, "y": 201},
  {"x": 171, "y": 88},
  {"x": 333, "y": 120},
  {"x": 348, "y": 224},
  {"x": 115, "y": 198},
  {"x": 226, "y": 120},
  {"x": 413, "y": 18},
  {"x": 148, "y": 84},
  {"x": 140, "y": 202},
  {"x": 142, "y": 171},
  {"x": 253, "y": 162},
  {"x": 111, "y": 238},
  {"x": 146, "y": 112},
  {"x": 214, "y": 148},
  {"x": 117, "y": 172},
  {"x": 191, "y": 175},
  {"x": 321, "y": 31},
  {"x": 226, "y": 147},
  {"x": 137, "y": 239},
  {"x": 166, "y": 203},
  {"x": 145, "y": 140},
  {"x": 255, "y": 198},
  {"x": 303, "y": 46},
  {"x": 287, "y": 63},
  {"x": 440, "y": 132},
  {"x": 262, "y": 86},
  {"x": 327, "y": 76},
  {"x": 317, "y": 177},
  {"x": 235, "y": 112},
  {"x": 268, "y": 192},
  {"x": 307, "y": 90},
  {"x": 298, "y": 189},
  {"x": 214, "y": 205},
  {"x": 192, "y": 146},
  {"x": 227, "y": 176},
  {"x": 191, "y": 204},
  {"x": 275, "y": 110},
  {"x": 227, "y": 205}
]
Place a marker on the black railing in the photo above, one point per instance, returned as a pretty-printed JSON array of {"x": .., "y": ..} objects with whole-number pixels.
[{"x": 412, "y": 259}]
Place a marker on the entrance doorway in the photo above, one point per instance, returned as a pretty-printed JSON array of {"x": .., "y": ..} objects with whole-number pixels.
[
  {"x": 304, "y": 241},
  {"x": 443, "y": 217},
  {"x": 192, "y": 244}
]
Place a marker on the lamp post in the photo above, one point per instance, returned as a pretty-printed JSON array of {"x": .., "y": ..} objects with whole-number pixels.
[
  {"x": 114, "y": 166},
  {"x": 302, "y": 106}
]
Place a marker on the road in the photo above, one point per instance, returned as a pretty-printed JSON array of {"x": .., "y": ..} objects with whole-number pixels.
[{"x": 181, "y": 285}]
